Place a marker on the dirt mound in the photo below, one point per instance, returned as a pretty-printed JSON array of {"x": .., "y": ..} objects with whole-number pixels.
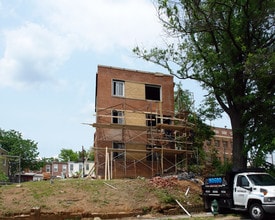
[{"x": 86, "y": 197}]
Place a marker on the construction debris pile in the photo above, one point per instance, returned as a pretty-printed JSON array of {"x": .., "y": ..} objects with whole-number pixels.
[
  {"x": 172, "y": 180},
  {"x": 160, "y": 182}
]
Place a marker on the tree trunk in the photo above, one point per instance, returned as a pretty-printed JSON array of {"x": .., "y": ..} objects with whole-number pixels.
[{"x": 239, "y": 154}]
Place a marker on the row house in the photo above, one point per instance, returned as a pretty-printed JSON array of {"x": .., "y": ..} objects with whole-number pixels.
[
  {"x": 220, "y": 145},
  {"x": 68, "y": 169}
]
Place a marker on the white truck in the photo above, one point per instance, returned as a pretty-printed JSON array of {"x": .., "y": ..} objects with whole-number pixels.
[{"x": 247, "y": 190}]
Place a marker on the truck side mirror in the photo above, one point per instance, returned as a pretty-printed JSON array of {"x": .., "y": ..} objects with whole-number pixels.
[{"x": 248, "y": 188}]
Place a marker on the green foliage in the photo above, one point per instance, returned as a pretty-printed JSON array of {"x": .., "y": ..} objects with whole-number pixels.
[
  {"x": 183, "y": 99},
  {"x": 3, "y": 177},
  {"x": 91, "y": 155},
  {"x": 13, "y": 142},
  {"x": 68, "y": 155},
  {"x": 75, "y": 156},
  {"x": 184, "y": 103},
  {"x": 164, "y": 196},
  {"x": 48, "y": 160},
  {"x": 228, "y": 47}
]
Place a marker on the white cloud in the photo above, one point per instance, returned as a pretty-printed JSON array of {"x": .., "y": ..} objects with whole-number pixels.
[
  {"x": 39, "y": 45},
  {"x": 32, "y": 54},
  {"x": 104, "y": 25}
]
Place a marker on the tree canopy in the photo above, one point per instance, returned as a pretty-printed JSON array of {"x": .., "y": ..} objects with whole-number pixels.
[
  {"x": 227, "y": 46},
  {"x": 74, "y": 156},
  {"x": 184, "y": 102},
  {"x": 13, "y": 142},
  {"x": 68, "y": 155}
]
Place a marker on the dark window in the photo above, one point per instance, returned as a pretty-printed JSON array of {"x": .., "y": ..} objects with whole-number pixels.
[
  {"x": 117, "y": 117},
  {"x": 242, "y": 181},
  {"x": 87, "y": 166},
  {"x": 152, "y": 120},
  {"x": 152, "y": 92},
  {"x": 262, "y": 179},
  {"x": 120, "y": 153}
]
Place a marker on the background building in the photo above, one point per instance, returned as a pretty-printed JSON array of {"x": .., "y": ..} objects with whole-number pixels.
[
  {"x": 220, "y": 145},
  {"x": 81, "y": 169}
]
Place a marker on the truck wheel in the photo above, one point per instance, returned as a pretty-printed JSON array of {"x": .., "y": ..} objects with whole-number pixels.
[
  {"x": 207, "y": 205},
  {"x": 256, "y": 211}
]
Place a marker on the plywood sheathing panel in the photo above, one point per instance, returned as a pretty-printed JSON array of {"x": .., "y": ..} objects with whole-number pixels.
[{"x": 134, "y": 90}]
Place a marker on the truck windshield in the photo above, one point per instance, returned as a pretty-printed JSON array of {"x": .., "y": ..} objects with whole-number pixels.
[{"x": 261, "y": 179}]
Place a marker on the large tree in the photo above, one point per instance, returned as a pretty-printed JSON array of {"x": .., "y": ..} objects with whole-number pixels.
[
  {"x": 227, "y": 46},
  {"x": 13, "y": 142}
]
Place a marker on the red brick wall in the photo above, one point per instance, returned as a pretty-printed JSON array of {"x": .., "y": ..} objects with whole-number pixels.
[
  {"x": 134, "y": 139},
  {"x": 104, "y": 88}
]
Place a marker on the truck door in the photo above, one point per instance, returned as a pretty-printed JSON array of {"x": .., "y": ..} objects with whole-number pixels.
[{"x": 240, "y": 193}]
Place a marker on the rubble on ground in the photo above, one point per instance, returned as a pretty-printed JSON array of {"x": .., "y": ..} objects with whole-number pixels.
[{"x": 172, "y": 180}]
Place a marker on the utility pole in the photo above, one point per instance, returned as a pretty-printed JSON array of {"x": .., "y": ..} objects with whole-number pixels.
[{"x": 83, "y": 160}]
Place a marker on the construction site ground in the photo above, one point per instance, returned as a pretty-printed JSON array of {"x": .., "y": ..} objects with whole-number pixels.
[
  {"x": 89, "y": 198},
  {"x": 156, "y": 198}
]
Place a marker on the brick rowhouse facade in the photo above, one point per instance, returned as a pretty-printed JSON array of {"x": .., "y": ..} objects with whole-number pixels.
[
  {"x": 137, "y": 133},
  {"x": 220, "y": 145}
]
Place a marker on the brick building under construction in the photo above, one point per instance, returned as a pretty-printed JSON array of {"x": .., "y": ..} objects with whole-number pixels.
[{"x": 137, "y": 131}]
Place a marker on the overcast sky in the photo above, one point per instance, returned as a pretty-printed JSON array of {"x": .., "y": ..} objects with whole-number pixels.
[{"x": 49, "y": 53}]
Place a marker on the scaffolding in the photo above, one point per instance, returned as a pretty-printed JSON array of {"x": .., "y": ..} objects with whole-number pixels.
[{"x": 141, "y": 142}]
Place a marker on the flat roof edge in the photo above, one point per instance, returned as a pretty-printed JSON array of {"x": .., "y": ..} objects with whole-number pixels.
[{"x": 140, "y": 71}]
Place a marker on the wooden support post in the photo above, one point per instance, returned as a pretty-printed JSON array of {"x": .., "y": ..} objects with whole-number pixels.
[
  {"x": 184, "y": 209},
  {"x": 162, "y": 159}
]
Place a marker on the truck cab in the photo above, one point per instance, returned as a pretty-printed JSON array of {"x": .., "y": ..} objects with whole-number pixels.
[{"x": 252, "y": 191}]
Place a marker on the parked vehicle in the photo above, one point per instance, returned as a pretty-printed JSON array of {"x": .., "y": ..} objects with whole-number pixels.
[{"x": 247, "y": 190}]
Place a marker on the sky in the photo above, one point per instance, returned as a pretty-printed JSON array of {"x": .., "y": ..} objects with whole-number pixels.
[{"x": 49, "y": 54}]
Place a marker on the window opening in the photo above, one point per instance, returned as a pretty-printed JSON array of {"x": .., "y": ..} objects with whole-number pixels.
[
  {"x": 118, "y": 88},
  {"x": 71, "y": 167},
  {"x": 64, "y": 168},
  {"x": 152, "y": 92},
  {"x": 118, "y": 154},
  {"x": 152, "y": 120},
  {"x": 87, "y": 166},
  {"x": 117, "y": 117},
  {"x": 80, "y": 168},
  {"x": 55, "y": 168},
  {"x": 48, "y": 168}
]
